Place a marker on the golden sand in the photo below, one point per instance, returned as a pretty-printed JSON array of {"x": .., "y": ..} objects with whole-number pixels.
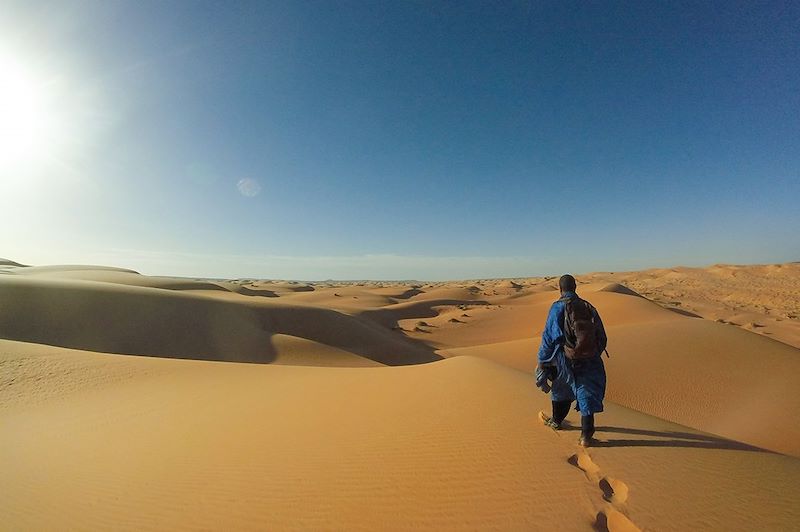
[{"x": 143, "y": 403}]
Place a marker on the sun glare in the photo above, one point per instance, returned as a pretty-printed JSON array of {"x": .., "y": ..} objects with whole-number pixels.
[{"x": 24, "y": 120}]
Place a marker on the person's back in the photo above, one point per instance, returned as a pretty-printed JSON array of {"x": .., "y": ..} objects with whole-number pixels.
[{"x": 572, "y": 343}]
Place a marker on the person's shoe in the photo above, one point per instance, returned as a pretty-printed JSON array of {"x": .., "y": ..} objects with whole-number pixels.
[
  {"x": 548, "y": 421},
  {"x": 586, "y": 442}
]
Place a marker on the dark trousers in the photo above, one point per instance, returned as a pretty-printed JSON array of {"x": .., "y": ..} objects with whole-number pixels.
[{"x": 560, "y": 411}]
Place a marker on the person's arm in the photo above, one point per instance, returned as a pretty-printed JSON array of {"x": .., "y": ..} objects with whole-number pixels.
[
  {"x": 552, "y": 336},
  {"x": 602, "y": 339}
]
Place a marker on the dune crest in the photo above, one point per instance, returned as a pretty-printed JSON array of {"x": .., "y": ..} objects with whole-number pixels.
[{"x": 619, "y": 289}]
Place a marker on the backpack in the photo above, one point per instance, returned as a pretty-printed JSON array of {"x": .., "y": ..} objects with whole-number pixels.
[{"x": 580, "y": 330}]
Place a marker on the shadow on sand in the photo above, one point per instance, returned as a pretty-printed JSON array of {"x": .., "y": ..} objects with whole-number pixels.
[
  {"x": 671, "y": 439},
  {"x": 144, "y": 321}
]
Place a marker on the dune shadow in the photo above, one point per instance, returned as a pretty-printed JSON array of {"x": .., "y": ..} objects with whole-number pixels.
[
  {"x": 390, "y": 316},
  {"x": 131, "y": 321},
  {"x": 354, "y": 334},
  {"x": 296, "y": 287},
  {"x": 408, "y": 294},
  {"x": 673, "y": 439},
  {"x": 683, "y": 312},
  {"x": 161, "y": 323},
  {"x": 243, "y": 290}
]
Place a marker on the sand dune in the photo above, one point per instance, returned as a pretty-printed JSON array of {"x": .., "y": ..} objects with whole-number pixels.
[
  {"x": 449, "y": 445},
  {"x": 696, "y": 372},
  {"x": 712, "y": 377},
  {"x": 767, "y": 296},
  {"x": 318, "y": 434},
  {"x": 6, "y": 262},
  {"x": 70, "y": 268},
  {"x": 130, "y": 319}
]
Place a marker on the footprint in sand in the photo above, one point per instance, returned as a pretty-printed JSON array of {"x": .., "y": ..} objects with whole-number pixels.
[
  {"x": 614, "y": 491},
  {"x": 614, "y": 521},
  {"x": 584, "y": 462}
]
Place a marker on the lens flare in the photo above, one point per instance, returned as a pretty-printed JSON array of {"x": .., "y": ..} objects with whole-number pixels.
[{"x": 248, "y": 187}]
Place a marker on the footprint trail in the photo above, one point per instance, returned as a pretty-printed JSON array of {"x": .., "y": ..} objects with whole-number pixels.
[{"x": 615, "y": 491}]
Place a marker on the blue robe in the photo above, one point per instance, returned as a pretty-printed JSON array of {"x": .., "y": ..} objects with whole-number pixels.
[{"x": 584, "y": 380}]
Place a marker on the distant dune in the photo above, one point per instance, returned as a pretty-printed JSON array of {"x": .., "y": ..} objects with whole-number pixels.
[
  {"x": 317, "y": 432},
  {"x": 6, "y": 262},
  {"x": 123, "y": 312}
]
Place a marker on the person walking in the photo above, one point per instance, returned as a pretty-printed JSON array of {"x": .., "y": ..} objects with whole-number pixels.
[{"x": 570, "y": 363}]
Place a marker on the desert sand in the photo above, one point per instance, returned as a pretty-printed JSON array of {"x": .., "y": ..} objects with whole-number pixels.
[{"x": 157, "y": 403}]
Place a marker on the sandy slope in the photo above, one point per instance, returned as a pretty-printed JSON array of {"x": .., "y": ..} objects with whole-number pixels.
[
  {"x": 323, "y": 436},
  {"x": 167, "y": 444},
  {"x": 696, "y": 372}
]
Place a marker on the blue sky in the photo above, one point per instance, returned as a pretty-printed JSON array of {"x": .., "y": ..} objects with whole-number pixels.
[{"x": 405, "y": 139}]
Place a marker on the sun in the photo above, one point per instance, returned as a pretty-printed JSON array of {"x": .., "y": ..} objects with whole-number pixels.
[{"x": 24, "y": 121}]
